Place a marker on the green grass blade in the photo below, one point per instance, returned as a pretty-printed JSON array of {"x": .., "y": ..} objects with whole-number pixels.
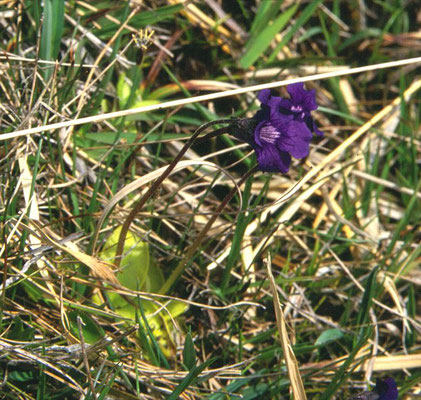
[
  {"x": 52, "y": 30},
  {"x": 189, "y": 379},
  {"x": 366, "y": 303},
  {"x": 189, "y": 353},
  {"x": 302, "y": 19},
  {"x": 264, "y": 14},
  {"x": 238, "y": 237},
  {"x": 341, "y": 375},
  {"x": 257, "y": 45}
]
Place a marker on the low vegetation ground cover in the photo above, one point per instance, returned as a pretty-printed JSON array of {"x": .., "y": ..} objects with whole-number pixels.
[{"x": 244, "y": 272}]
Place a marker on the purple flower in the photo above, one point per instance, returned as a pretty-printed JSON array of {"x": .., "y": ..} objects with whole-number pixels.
[
  {"x": 281, "y": 128},
  {"x": 386, "y": 389},
  {"x": 302, "y": 103}
]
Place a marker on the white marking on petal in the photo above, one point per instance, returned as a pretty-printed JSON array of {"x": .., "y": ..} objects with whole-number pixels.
[
  {"x": 296, "y": 108},
  {"x": 269, "y": 134}
]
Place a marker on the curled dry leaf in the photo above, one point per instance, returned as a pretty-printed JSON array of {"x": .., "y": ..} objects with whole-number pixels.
[{"x": 100, "y": 269}]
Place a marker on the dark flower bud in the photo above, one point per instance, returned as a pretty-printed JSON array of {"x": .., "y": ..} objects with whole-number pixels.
[{"x": 243, "y": 129}]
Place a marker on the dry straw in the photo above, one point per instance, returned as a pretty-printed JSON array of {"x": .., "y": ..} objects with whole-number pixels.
[
  {"x": 211, "y": 96},
  {"x": 293, "y": 369}
]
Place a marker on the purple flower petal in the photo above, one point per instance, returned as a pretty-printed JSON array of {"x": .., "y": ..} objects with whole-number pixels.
[
  {"x": 386, "y": 389},
  {"x": 316, "y": 130},
  {"x": 270, "y": 159},
  {"x": 285, "y": 105},
  {"x": 296, "y": 140},
  {"x": 264, "y": 96},
  {"x": 272, "y": 130},
  {"x": 274, "y": 104},
  {"x": 280, "y": 129},
  {"x": 268, "y": 134},
  {"x": 301, "y": 98}
]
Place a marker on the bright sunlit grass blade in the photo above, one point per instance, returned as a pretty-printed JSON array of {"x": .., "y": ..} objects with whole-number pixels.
[{"x": 297, "y": 386}]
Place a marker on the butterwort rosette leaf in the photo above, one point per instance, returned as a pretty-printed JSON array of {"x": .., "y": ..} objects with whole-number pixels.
[{"x": 281, "y": 129}]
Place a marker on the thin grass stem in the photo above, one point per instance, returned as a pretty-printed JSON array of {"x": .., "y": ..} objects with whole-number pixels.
[
  {"x": 207, "y": 97},
  {"x": 184, "y": 263},
  {"x": 136, "y": 209}
]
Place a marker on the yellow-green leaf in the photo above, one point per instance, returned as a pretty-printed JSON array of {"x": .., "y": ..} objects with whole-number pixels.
[{"x": 134, "y": 265}]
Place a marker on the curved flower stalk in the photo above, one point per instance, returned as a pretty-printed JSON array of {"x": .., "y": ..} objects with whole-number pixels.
[
  {"x": 152, "y": 189},
  {"x": 281, "y": 129}
]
